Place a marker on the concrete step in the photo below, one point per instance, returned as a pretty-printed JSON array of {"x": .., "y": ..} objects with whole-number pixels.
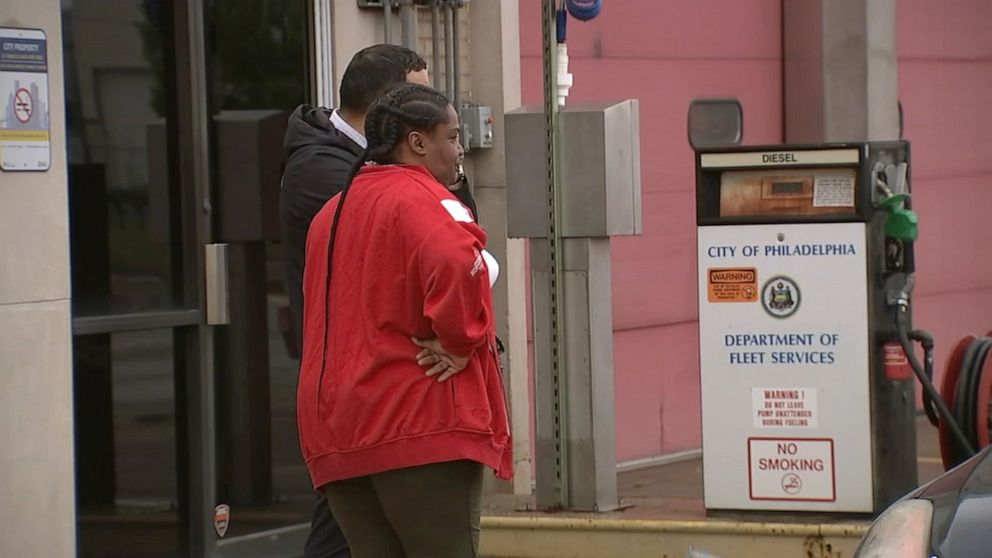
[{"x": 550, "y": 537}]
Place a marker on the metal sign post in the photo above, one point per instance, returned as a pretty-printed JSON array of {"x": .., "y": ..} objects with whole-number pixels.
[
  {"x": 575, "y": 450},
  {"x": 552, "y": 484}
]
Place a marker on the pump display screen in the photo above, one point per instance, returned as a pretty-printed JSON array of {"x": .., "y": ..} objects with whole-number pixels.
[
  {"x": 788, "y": 192},
  {"x": 787, "y": 188}
]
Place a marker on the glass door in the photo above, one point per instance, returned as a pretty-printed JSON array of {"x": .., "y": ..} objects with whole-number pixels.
[
  {"x": 186, "y": 439},
  {"x": 133, "y": 262},
  {"x": 256, "y": 76}
]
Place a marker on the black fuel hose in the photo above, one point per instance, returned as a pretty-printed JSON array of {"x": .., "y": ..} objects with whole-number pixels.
[
  {"x": 945, "y": 413},
  {"x": 926, "y": 341}
]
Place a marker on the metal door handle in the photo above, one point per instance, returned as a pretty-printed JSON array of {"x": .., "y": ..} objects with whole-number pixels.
[{"x": 217, "y": 300}]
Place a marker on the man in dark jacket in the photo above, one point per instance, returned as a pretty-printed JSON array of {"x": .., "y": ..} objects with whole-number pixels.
[{"x": 322, "y": 145}]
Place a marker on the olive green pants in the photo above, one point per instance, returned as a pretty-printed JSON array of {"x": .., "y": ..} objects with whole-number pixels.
[{"x": 431, "y": 511}]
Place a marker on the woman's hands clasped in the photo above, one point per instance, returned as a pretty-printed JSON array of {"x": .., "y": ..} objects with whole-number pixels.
[{"x": 442, "y": 363}]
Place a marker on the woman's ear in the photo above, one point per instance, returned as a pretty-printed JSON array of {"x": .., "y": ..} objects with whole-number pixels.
[{"x": 416, "y": 140}]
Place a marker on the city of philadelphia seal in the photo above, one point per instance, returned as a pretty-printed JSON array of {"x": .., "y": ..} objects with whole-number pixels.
[{"x": 780, "y": 296}]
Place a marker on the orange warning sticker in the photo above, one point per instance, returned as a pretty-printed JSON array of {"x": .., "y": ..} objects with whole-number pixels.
[{"x": 736, "y": 284}]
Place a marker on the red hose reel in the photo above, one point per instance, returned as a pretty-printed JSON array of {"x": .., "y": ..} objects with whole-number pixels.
[{"x": 967, "y": 391}]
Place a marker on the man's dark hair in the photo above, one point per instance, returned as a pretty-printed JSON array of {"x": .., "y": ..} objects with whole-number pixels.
[{"x": 374, "y": 70}]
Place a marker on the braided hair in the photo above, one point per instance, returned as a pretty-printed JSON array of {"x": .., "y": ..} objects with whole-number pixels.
[{"x": 405, "y": 108}]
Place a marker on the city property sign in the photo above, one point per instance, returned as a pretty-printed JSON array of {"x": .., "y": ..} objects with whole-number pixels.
[{"x": 25, "y": 139}]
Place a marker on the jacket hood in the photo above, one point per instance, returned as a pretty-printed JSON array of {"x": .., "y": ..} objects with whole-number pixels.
[{"x": 310, "y": 125}]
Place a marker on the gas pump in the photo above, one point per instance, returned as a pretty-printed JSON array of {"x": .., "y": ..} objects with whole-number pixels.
[{"x": 805, "y": 270}]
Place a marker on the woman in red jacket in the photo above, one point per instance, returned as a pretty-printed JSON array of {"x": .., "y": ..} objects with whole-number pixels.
[{"x": 400, "y": 401}]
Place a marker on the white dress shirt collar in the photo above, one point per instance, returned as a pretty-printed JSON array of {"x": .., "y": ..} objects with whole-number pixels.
[{"x": 342, "y": 125}]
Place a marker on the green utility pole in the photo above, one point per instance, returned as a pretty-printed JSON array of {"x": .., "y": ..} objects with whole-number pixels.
[{"x": 552, "y": 484}]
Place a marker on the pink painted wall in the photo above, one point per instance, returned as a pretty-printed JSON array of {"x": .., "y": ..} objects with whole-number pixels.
[
  {"x": 665, "y": 54},
  {"x": 945, "y": 74}
]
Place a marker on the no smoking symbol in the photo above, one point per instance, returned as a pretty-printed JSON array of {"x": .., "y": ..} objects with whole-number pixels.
[
  {"x": 23, "y": 106},
  {"x": 792, "y": 484}
]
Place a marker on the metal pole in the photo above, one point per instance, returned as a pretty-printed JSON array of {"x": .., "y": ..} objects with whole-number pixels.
[
  {"x": 408, "y": 24},
  {"x": 195, "y": 429},
  {"x": 456, "y": 96},
  {"x": 557, "y": 495},
  {"x": 387, "y": 6},
  {"x": 322, "y": 53},
  {"x": 449, "y": 54},
  {"x": 436, "y": 44}
]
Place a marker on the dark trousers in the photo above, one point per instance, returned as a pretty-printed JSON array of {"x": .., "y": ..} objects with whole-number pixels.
[
  {"x": 326, "y": 539},
  {"x": 430, "y": 511}
]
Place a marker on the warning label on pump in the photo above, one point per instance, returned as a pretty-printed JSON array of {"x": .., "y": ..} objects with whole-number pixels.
[
  {"x": 784, "y": 407},
  {"x": 738, "y": 284},
  {"x": 791, "y": 469},
  {"x": 833, "y": 191}
]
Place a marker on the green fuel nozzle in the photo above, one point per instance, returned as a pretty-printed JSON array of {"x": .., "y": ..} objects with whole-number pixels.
[{"x": 901, "y": 224}]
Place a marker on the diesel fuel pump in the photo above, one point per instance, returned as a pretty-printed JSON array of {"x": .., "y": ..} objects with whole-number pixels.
[{"x": 805, "y": 270}]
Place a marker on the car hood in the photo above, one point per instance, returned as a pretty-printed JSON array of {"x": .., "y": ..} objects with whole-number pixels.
[{"x": 962, "y": 509}]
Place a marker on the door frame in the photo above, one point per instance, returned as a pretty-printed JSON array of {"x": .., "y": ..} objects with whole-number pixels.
[
  {"x": 194, "y": 164},
  {"x": 192, "y": 228},
  {"x": 188, "y": 232}
]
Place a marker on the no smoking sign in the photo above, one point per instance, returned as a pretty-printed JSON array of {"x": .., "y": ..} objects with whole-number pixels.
[
  {"x": 25, "y": 129},
  {"x": 792, "y": 469},
  {"x": 23, "y": 105}
]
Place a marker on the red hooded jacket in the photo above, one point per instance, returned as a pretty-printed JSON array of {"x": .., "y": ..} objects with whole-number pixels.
[{"x": 402, "y": 267}]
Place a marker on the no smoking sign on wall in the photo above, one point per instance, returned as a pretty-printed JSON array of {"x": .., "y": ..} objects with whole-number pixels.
[{"x": 24, "y": 118}]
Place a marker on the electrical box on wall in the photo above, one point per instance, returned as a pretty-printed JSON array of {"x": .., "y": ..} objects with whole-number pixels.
[
  {"x": 396, "y": 3},
  {"x": 600, "y": 171},
  {"x": 477, "y": 126},
  {"x": 375, "y": 3}
]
